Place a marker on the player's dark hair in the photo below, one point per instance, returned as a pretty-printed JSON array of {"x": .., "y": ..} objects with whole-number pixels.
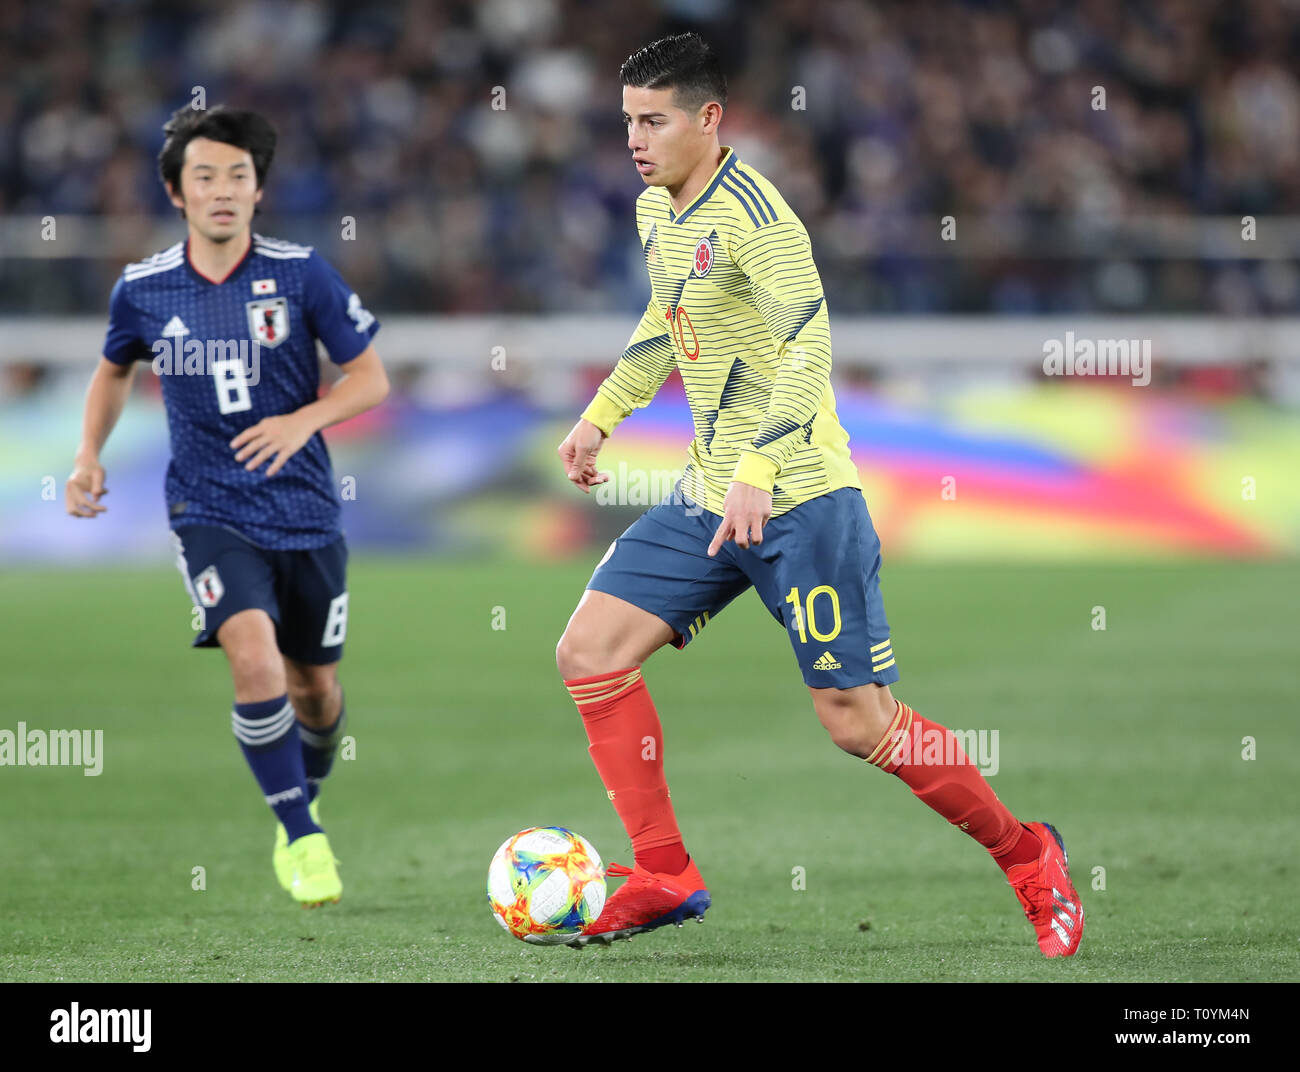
[
  {"x": 683, "y": 63},
  {"x": 243, "y": 130}
]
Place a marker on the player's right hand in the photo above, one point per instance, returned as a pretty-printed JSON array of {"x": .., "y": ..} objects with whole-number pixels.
[
  {"x": 84, "y": 489},
  {"x": 578, "y": 454}
]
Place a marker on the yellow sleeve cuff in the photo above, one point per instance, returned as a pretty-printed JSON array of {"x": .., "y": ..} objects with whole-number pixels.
[
  {"x": 756, "y": 469},
  {"x": 604, "y": 414}
]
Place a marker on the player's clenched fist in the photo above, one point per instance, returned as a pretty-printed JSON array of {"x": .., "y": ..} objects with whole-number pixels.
[
  {"x": 84, "y": 489},
  {"x": 578, "y": 454},
  {"x": 745, "y": 510}
]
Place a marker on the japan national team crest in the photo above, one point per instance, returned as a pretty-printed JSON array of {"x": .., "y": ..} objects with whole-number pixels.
[
  {"x": 703, "y": 257},
  {"x": 208, "y": 587},
  {"x": 268, "y": 320}
]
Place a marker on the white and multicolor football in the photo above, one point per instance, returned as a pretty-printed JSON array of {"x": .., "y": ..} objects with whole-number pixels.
[{"x": 545, "y": 884}]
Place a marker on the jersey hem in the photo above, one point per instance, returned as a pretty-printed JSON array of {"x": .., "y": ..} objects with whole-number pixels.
[{"x": 324, "y": 540}]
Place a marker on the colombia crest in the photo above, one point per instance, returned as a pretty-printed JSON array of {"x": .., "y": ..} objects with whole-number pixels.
[{"x": 703, "y": 257}]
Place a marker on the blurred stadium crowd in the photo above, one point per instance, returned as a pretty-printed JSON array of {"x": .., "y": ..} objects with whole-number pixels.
[{"x": 910, "y": 111}]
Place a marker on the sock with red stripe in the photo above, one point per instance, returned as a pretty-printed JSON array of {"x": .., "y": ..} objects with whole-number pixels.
[
  {"x": 930, "y": 761},
  {"x": 626, "y": 744}
]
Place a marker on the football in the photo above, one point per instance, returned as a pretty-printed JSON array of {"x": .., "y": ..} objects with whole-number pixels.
[{"x": 545, "y": 884}]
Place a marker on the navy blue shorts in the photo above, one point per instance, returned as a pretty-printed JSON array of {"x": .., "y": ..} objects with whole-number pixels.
[
  {"x": 304, "y": 592},
  {"x": 817, "y": 571}
]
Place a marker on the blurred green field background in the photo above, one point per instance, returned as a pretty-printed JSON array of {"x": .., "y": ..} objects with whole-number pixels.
[{"x": 1128, "y": 739}]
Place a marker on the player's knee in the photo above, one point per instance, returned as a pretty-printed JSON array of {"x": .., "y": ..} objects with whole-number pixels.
[
  {"x": 575, "y": 655},
  {"x": 853, "y": 739},
  {"x": 256, "y": 672},
  {"x": 312, "y": 693},
  {"x": 607, "y": 634},
  {"x": 856, "y": 718},
  {"x": 586, "y": 650}
]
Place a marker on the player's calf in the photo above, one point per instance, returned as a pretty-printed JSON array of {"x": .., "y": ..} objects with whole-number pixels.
[
  {"x": 927, "y": 758},
  {"x": 264, "y": 722},
  {"x": 322, "y": 721},
  {"x": 620, "y": 718}
]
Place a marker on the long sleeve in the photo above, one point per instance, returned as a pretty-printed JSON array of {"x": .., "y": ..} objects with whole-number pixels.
[
  {"x": 787, "y": 291},
  {"x": 640, "y": 372}
]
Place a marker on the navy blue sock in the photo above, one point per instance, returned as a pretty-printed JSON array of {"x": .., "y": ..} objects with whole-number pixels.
[
  {"x": 265, "y": 734},
  {"x": 318, "y": 748}
]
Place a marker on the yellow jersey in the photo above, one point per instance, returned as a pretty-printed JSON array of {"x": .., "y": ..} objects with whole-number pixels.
[{"x": 737, "y": 305}]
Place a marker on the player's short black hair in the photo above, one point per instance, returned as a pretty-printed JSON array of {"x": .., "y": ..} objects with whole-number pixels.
[
  {"x": 244, "y": 130},
  {"x": 683, "y": 63}
]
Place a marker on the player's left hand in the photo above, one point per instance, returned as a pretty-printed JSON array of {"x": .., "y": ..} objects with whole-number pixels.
[
  {"x": 271, "y": 437},
  {"x": 744, "y": 512}
]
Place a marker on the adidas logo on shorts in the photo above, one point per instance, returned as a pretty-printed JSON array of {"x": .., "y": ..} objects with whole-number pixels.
[{"x": 826, "y": 661}]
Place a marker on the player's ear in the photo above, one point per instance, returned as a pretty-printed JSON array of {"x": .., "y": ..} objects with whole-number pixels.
[
  {"x": 257, "y": 196},
  {"x": 176, "y": 198},
  {"x": 712, "y": 116}
]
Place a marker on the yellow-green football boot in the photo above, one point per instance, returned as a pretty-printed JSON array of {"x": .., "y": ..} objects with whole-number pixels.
[
  {"x": 315, "y": 878},
  {"x": 280, "y": 854}
]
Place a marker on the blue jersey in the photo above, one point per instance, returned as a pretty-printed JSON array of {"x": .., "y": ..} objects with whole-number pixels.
[{"x": 228, "y": 354}]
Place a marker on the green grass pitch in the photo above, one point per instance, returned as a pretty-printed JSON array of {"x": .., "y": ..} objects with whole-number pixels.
[{"x": 1129, "y": 739}]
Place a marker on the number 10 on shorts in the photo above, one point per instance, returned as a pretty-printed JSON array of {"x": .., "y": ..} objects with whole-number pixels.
[{"x": 807, "y": 613}]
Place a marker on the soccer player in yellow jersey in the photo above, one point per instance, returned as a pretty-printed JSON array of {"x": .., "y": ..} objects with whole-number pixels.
[{"x": 770, "y": 498}]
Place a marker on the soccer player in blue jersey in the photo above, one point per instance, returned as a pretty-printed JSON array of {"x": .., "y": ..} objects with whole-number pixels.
[
  {"x": 229, "y": 320},
  {"x": 770, "y": 499}
]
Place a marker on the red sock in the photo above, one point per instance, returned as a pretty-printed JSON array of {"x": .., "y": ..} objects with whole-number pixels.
[
  {"x": 1025, "y": 851},
  {"x": 930, "y": 761},
  {"x": 627, "y": 748}
]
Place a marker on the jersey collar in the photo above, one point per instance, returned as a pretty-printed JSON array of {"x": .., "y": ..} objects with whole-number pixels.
[
  {"x": 217, "y": 282},
  {"x": 729, "y": 160}
]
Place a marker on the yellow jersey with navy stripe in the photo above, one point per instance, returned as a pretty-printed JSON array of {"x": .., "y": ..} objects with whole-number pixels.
[{"x": 737, "y": 305}]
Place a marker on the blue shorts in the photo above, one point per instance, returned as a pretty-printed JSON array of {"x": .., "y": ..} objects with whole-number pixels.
[
  {"x": 304, "y": 592},
  {"x": 817, "y": 571}
]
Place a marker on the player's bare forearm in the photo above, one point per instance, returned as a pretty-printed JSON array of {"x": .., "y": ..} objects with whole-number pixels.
[
  {"x": 105, "y": 399},
  {"x": 578, "y": 455},
  {"x": 363, "y": 386},
  {"x": 638, "y": 375}
]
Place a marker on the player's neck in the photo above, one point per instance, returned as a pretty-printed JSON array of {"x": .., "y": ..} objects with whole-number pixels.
[
  {"x": 689, "y": 188},
  {"x": 216, "y": 260}
]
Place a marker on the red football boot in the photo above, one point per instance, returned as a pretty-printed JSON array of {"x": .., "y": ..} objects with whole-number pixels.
[
  {"x": 1047, "y": 895},
  {"x": 646, "y": 901}
]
